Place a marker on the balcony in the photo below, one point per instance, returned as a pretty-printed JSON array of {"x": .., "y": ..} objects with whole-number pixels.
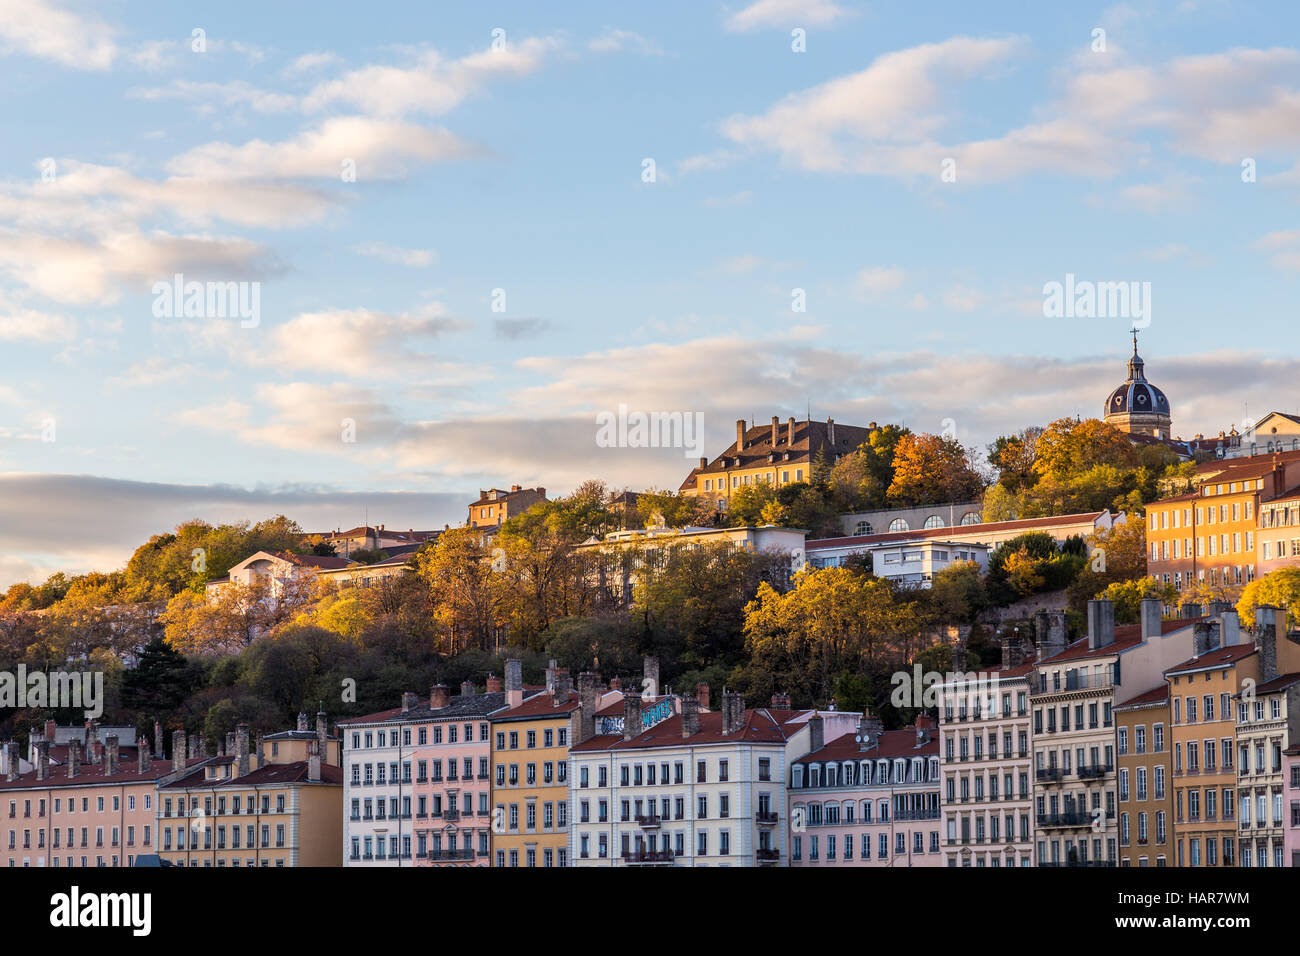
[
  {"x": 1071, "y": 818},
  {"x": 1080, "y": 863},
  {"x": 766, "y": 818},
  {"x": 450, "y": 856},
  {"x": 767, "y": 857},
  {"x": 1094, "y": 771},
  {"x": 648, "y": 821},
  {"x": 1051, "y": 773},
  {"x": 451, "y": 815},
  {"x": 651, "y": 857}
]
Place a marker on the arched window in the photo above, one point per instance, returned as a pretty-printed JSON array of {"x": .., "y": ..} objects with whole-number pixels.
[
  {"x": 970, "y": 517},
  {"x": 898, "y": 524},
  {"x": 934, "y": 521},
  {"x": 863, "y": 527}
]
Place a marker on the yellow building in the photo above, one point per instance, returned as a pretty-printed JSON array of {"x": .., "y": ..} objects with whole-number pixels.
[
  {"x": 282, "y": 806},
  {"x": 777, "y": 454},
  {"x": 530, "y": 784}
]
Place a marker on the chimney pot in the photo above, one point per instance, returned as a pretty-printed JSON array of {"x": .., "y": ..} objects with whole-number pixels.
[
  {"x": 493, "y": 684},
  {"x": 631, "y": 715},
  {"x": 690, "y": 717},
  {"x": 178, "y": 751},
  {"x": 702, "y": 695},
  {"x": 740, "y": 435},
  {"x": 439, "y": 696}
]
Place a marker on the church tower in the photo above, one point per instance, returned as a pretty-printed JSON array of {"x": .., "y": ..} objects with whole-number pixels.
[{"x": 1137, "y": 407}]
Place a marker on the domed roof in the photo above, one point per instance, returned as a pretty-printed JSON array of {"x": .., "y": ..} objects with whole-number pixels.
[{"x": 1136, "y": 395}]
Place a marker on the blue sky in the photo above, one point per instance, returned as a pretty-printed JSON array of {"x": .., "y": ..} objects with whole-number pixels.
[{"x": 519, "y": 168}]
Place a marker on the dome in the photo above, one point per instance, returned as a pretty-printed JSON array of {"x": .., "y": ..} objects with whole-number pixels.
[{"x": 1136, "y": 396}]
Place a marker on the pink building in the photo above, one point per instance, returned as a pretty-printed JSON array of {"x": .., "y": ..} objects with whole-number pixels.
[
  {"x": 1291, "y": 826},
  {"x": 417, "y": 778},
  {"x": 868, "y": 799}
]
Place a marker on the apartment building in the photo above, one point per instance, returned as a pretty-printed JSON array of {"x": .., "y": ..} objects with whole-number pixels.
[
  {"x": 281, "y": 805},
  {"x": 496, "y": 506},
  {"x": 530, "y": 764},
  {"x": 1268, "y": 718},
  {"x": 1278, "y": 536},
  {"x": 417, "y": 785},
  {"x": 1144, "y": 772},
  {"x": 870, "y": 798},
  {"x": 1208, "y": 535},
  {"x": 987, "y": 789},
  {"x": 1291, "y": 833},
  {"x": 696, "y": 789},
  {"x": 79, "y": 807},
  {"x": 1073, "y": 693}
]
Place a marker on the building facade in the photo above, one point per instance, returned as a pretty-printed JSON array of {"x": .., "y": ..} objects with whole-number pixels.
[
  {"x": 1144, "y": 773},
  {"x": 870, "y": 798}
]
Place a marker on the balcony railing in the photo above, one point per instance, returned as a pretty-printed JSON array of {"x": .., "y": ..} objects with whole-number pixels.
[
  {"x": 648, "y": 856},
  {"x": 648, "y": 821},
  {"x": 1072, "y": 818},
  {"x": 450, "y": 856},
  {"x": 767, "y": 855},
  {"x": 765, "y": 817},
  {"x": 1050, "y": 773}
]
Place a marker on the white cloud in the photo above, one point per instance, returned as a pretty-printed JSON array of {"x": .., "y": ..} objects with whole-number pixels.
[
  {"x": 785, "y": 14},
  {"x": 873, "y": 281},
  {"x": 41, "y": 29},
  {"x": 433, "y": 84},
  {"x": 416, "y": 258},
  {"x": 380, "y": 149},
  {"x": 616, "y": 41},
  {"x": 227, "y": 95},
  {"x": 312, "y": 61}
]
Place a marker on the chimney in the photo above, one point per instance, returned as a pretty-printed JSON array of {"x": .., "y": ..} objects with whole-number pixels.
[
  {"x": 50, "y": 727},
  {"x": 241, "y": 748},
  {"x": 616, "y": 683},
  {"x": 74, "y": 758},
  {"x": 959, "y": 653},
  {"x": 439, "y": 696},
  {"x": 776, "y": 430},
  {"x": 514, "y": 682},
  {"x": 1205, "y": 637},
  {"x": 42, "y": 760},
  {"x": 924, "y": 725},
  {"x": 142, "y": 757},
  {"x": 258, "y": 754},
  {"x": 178, "y": 751},
  {"x": 92, "y": 742},
  {"x": 493, "y": 684},
  {"x": 816, "y": 733},
  {"x": 704, "y": 462},
  {"x": 302, "y": 721},
  {"x": 830, "y": 431},
  {"x": 11, "y": 760},
  {"x": 550, "y": 676},
  {"x": 313, "y": 761},
  {"x": 1013, "y": 654},
  {"x": 1149, "y": 612},
  {"x": 781, "y": 701},
  {"x": 733, "y": 712},
  {"x": 110, "y": 755},
  {"x": 229, "y": 744},
  {"x": 1269, "y": 622},
  {"x": 1050, "y": 628},
  {"x": 202, "y": 751},
  {"x": 1101, "y": 624},
  {"x": 631, "y": 715},
  {"x": 650, "y": 675},
  {"x": 1230, "y": 628},
  {"x": 702, "y": 695},
  {"x": 158, "y": 750},
  {"x": 563, "y": 687},
  {"x": 587, "y": 681},
  {"x": 409, "y": 700},
  {"x": 467, "y": 688},
  {"x": 789, "y": 432},
  {"x": 869, "y": 731},
  {"x": 690, "y": 717},
  {"x": 740, "y": 435},
  {"x": 1190, "y": 610}
]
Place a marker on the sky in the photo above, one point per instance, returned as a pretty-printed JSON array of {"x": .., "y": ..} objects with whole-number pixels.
[{"x": 464, "y": 232}]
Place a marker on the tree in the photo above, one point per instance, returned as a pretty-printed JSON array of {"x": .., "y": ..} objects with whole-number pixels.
[
  {"x": 957, "y": 593},
  {"x": 469, "y": 597},
  {"x": 1013, "y": 458},
  {"x": 1128, "y": 596},
  {"x": 675, "y": 509},
  {"x": 1115, "y": 555},
  {"x": 1280, "y": 588},
  {"x": 1068, "y": 447},
  {"x": 930, "y": 470}
]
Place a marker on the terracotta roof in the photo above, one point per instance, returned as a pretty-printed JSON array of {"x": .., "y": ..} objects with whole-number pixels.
[
  {"x": 1126, "y": 636},
  {"x": 272, "y": 773},
  {"x": 1277, "y": 683},
  {"x": 540, "y": 705},
  {"x": 1219, "y": 657},
  {"x": 761, "y": 726},
  {"x": 995, "y": 527},
  {"x": 312, "y": 560},
  {"x": 892, "y": 743},
  {"x": 459, "y": 705},
  {"x": 92, "y": 775},
  {"x": 1156, "y": 695}
]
